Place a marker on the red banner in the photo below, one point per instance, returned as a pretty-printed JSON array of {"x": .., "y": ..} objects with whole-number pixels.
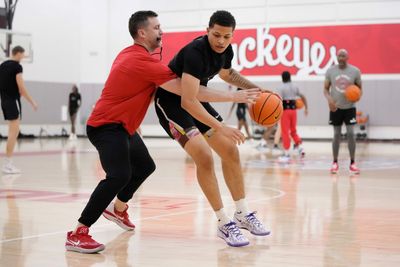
[{"x": 374, "y": 49}]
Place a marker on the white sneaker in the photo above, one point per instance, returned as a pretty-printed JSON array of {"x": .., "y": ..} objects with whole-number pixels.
[
  {"x": 284, "y": 159},
  {"x": 232, "y": 235},
  {"x": 9, "y": 168},
  {"x": 263, "y": 148},
  {"x": 276, "y": 152},
  {"x": 250, "y": 223}
]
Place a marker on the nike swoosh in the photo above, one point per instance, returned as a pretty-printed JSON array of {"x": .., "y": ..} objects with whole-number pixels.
[
  {"x": 225, "y": 234},
  {"x": 75, "y": 243}
]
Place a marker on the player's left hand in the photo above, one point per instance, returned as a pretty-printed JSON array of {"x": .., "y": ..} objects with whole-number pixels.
[{"x": 248, "y": 96}]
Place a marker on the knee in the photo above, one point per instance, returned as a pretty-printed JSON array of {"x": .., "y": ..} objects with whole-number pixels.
[
  {"x": 204, "y": 159},
  {"x": 120, "y": 176},
  {"x": 149, "y": 168},
  {"x": 231, "y": 153}
]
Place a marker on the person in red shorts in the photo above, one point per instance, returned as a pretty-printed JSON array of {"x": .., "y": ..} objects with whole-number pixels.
[
  {"x": 289, "y": 93},
  {"x": 112, "y": 127}
]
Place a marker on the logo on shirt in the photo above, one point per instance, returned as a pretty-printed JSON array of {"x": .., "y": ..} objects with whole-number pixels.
[{"x": 342, "y": 81}]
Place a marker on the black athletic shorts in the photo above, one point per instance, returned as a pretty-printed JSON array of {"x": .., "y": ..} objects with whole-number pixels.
[
  {"x": 11, "y": 109},
  {"x": 241, "y": 112},
  {"x": 174, "y": 118},
  {"x": 340, "y": 116}
]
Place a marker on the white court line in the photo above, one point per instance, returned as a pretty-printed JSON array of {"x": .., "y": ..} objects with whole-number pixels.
[{"x": 280, "y": 194}]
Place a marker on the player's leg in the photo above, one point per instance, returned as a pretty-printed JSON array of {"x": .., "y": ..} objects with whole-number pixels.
[
  {"x": 111, "y": 142},
  {"x": 293, "y": 133},
  {"x": 11, "y": 111},
  {"x": 350, "y": 121},
  {"x": 181, "y": 126},
  {"x": 233, "y": 175},
  {"x": 142, "y": 166},
  {"x": 276, "y": 151},
  {"x": 285, "y": 128},
  {"x": 13, "y": 131},
  {"x": 336, "y": 120},
  {"x": 73, "y": 116}
]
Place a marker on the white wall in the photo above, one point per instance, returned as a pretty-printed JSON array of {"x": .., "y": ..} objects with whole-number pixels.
[{"x": 77, "y": 40}]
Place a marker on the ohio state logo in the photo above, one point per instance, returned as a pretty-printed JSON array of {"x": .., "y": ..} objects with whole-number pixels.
[
  {"x": 289, "y": 51},
  {"x": 342, "y": 81}
]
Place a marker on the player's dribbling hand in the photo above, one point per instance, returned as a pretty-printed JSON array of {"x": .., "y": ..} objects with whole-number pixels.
[
  {"x": 233, "y": 134},
  {"x": 246, "y": 96}
]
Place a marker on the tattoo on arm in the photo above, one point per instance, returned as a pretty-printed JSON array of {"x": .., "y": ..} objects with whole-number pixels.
[{"x": 236, "y": 79}]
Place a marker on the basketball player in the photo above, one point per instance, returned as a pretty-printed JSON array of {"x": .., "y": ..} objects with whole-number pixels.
[
  {"x": 337, "y": 79},
  {"x": 112, "y": 126},
  {"x": 197, "y": 126},
  {"x": 289, "y": 93},
  {"x": 12, "y": 87},
  {"x": 74, "y": 102}
]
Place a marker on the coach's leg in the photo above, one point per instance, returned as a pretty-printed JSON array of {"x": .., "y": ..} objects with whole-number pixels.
[{"x": 142, "y": 166}]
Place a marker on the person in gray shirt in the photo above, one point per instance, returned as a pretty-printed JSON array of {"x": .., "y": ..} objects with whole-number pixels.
[{"x": 337, "y": 79}]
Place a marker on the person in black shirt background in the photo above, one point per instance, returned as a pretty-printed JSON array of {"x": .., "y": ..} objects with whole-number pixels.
[
  {"x": 198, "y": 127},
  {"x": 12, "y": 87},
  {"x": 241, "y": 116},
  {"x": 73, "y": 106}
]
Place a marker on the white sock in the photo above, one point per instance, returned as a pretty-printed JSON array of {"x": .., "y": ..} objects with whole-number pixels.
[
  {"x": 286, "y": 153},
  {"x": 241, "y": 207},
  {"x": 222, "y": 217}
]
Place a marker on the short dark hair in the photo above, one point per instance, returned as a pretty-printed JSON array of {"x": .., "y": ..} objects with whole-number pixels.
[
  {"x": 222, "y": 18},
  {"x": 286, "y": 76},
  {"x": 17, "y": 49},
  {"x": 139, "y": 20}
]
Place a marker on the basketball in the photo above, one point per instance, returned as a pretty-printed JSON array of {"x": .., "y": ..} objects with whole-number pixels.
[
  {"x": 352, "y": 93},
  {"x": 299, "y": 103},
  {"x": 267, "y": 110}
]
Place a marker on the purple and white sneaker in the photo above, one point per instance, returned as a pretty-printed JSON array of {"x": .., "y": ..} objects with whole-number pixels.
[
  {"x": 232, "y": 235},
  {"x": 250, "y": 223}
]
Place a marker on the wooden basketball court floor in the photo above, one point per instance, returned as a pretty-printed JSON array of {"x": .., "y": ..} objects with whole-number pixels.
[{"x": 316, "y": 219}]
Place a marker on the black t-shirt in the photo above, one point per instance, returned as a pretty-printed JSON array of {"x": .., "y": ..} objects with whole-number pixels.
[
  {"x": 8, "y": 82},
  {"x": 199, "y": 60},
  {"x": 74, "y": 100}
]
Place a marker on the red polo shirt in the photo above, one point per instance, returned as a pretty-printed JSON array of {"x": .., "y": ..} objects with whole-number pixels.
[{"x": 126, "y": 96}]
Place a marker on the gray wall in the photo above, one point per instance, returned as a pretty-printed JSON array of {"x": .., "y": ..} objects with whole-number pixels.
[{"x": 380, "y": 100}]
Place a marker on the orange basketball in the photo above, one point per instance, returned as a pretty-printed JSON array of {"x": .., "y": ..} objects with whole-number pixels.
[
  {"x": 267, "y": 110},
  {"x": 352, "y": 93},
  {"x": 299, "y": 103}
]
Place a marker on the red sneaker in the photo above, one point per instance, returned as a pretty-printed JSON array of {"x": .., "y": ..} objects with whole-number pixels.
[
  {"x": 119, "y": 217},
  {"x": 82, "y": 242},
  {"x": 354, "y": 169},
  {"x": 334, "y": 168}
]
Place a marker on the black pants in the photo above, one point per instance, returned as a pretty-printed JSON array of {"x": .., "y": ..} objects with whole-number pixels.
[{"x": 126, "y": 162}]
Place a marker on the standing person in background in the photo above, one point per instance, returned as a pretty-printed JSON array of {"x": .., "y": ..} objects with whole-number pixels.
[
  {"x": 290, "y": 93},
  {"x": 74, "y": 103},
  {"x": 337, "y": 79},
  {"x": 263, "y": 146},
  {"x": 12, "y": 87},
  {"x": 241, "y": 116}
]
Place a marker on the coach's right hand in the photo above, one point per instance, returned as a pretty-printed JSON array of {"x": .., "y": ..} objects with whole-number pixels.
[{"x": 232, "y": 133}]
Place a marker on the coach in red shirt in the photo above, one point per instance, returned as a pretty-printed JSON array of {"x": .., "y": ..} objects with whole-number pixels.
[{"x": 133, "y": 79}]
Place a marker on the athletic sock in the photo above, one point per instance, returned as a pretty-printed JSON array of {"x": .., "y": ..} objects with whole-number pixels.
[
  {"x": 241, "y": 207},
  {"x": 222, "y": 217}
]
